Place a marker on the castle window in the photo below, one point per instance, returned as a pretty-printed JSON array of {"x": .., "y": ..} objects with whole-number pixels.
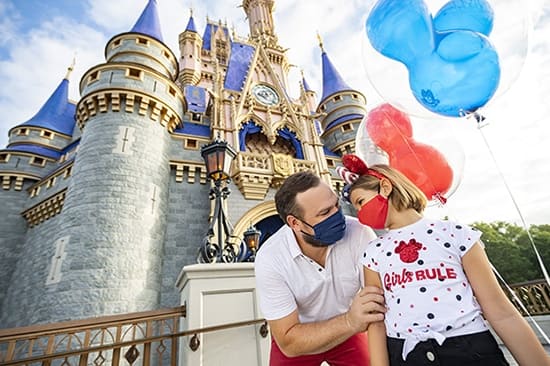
[
  {"x": 196, "y": 117},
  {"x": 330, "y": 163},
  {"x": 35, "y": 160},
  {"x": 134, "y": 73},
  {"x": 23, "y": 132},
  {"x": 46, "y": 134},
  {"x": 142, "y": 41},
  {"x": 166, "y": 54},
  {"x": 347, "y": 127},
  {"x": 355, "y": 96},
  {"x": 4, "y": 157},
  {"x": 191, "y": 144},
  {"x": 35, "y": 191},
  {"x": 172, "y": 91},
  {"x": 337, "y": 98},
  {"x": 50, "y": 182},
  {"x": 94, "y": 76},
  {"x": 116, "y": 43},
  {"x": 323, "y": 108},
  {"x": 68, "y": 172}
]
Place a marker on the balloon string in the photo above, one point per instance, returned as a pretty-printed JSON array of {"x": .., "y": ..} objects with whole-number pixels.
[{"x": 539, "y": 259}]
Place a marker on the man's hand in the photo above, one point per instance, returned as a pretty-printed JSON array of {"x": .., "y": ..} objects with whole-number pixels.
[{"x": 368, "y": 306}]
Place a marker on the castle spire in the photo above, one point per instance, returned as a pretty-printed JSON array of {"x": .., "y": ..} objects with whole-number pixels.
[
  {"x": 148, "y": 23},
  {"x": 332, "y": 81},
  {"x": 260, "y": 17},
  {"x": 70, "y": 68},
  {"x": 191, "y": 23},
  {"x": 57, "y": 114}
]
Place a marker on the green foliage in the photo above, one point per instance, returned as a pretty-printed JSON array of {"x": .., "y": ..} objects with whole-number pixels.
[{"x": 511, "y": 252}]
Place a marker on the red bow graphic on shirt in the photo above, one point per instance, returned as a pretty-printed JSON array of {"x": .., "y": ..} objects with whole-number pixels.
[{"x": 408, "y": 252}]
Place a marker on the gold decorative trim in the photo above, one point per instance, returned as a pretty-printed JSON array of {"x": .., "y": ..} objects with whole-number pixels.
[
  {"x": 46, "y": 209},
  {"x": 7, "y": 178},
  {"x": 254, "y": 215}
]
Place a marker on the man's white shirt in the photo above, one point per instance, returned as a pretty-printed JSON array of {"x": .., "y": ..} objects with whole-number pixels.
[{"x": 287, "y": 280}]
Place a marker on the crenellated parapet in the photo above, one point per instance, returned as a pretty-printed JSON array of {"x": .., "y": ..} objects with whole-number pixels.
[
  {"x": 127, "y": 101},
  {"x": 45, "y": 209}
]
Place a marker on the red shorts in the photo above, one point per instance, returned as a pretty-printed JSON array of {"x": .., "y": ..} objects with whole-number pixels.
[{"x": 353, "y": 352}]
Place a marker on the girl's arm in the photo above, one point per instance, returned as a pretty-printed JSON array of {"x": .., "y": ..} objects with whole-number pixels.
[
  {"x": 376, "y": 332},
  {"x": 507, "y": 322}
]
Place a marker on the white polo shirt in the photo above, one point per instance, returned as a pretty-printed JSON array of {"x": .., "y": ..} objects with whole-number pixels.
[{"x": 287, "y": 280}]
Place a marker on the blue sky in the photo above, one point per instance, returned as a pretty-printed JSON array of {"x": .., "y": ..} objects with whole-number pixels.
[{"x": 40, "y": 38}]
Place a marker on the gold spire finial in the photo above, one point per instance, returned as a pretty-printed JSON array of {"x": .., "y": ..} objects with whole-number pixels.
[
  {"x": 320, "y": 41},
  {"x": 71, "y": 67}
]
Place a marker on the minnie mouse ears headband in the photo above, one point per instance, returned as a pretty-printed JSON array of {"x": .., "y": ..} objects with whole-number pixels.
[{"x": 353, "y": 168}]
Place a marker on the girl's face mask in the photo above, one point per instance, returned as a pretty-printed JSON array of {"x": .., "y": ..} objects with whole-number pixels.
[{"x": 375, "y": 212}]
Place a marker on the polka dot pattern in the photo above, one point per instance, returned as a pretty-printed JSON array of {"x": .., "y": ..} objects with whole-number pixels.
[{"x": 429, "y": 292}]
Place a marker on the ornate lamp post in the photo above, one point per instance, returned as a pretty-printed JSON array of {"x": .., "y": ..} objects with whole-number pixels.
[
  {"x": 252, "y": 239},
  {"x": 218, "y": 156}
]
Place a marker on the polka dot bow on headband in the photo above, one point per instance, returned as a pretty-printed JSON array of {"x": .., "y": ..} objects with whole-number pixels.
[{"x": 353, "y": 168}]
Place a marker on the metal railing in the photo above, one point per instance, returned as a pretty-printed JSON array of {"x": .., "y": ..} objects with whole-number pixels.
[
  {"x": 535, "y": 296},
  {"x": 151, "y": 337},
  {"x": 145, "y": 338}
]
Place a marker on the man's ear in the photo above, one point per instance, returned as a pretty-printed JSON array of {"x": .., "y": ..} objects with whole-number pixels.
[
  {"x": 292, "y": 221},
  {"x": 385, "y": 187}
]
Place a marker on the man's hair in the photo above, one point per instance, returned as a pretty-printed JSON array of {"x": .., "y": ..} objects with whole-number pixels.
[
  {"x": 404, "y": 193},
  {"x": 285, "y": 198}
]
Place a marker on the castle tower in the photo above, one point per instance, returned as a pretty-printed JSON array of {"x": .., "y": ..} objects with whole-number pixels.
[
  {"x": 33, "y": 149},
  {"x": 343, "y": 108},
  {"x": 260, "y": 19},
  {"x": 109, "y": 237},
  {"x": 190, "y": 48}
]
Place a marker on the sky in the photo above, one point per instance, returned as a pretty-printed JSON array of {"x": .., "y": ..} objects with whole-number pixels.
[{"x": 501, "y": 169}]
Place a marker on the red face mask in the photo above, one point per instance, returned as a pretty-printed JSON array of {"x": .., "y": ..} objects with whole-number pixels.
[{"x": 374, "y": 213}]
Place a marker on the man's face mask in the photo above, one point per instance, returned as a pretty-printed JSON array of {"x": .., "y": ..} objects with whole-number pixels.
[{"x": 328, "y": 231}]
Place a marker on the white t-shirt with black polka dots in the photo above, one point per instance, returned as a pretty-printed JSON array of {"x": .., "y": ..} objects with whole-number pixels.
[{"x": 427, "y": 293}]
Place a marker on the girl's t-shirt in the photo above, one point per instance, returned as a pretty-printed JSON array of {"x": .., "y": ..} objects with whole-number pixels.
[{"x": 426, "y": 290}]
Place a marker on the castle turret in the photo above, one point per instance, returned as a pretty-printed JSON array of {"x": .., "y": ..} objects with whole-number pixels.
[
  {"x": 260, "y": 18},
  {"x": 343, "y": 108},
  {"x": 33, "y": 149},
  {"x": 190, "y": 43},
  {"x": 108, "y": 244}
]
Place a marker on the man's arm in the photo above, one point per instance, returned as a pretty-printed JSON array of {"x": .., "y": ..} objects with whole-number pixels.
[{"x": 296, "y": 339}]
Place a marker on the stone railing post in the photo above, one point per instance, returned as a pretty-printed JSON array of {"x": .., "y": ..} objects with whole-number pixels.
[{"x": 215, "y": 295}]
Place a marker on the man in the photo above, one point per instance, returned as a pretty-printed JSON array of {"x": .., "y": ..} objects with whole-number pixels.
[{"x": 309, "y": 279}]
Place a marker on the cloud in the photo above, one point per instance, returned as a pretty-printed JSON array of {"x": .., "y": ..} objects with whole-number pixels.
[{"x": 34, "y": 60}]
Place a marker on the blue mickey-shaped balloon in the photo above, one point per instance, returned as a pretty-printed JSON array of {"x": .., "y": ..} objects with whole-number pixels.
[{"x": 453, "y": 67}]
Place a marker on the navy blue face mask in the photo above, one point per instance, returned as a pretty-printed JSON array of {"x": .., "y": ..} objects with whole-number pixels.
[{"x": 328, "y": 231}]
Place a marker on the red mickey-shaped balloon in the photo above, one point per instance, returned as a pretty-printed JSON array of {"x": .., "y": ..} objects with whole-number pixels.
[
  {"x": 391, "y": 130},
  {"x": 388, "y": 126}
]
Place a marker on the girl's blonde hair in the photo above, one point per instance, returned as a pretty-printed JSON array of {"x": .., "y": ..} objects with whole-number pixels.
[{"x": 404, "y": 194}]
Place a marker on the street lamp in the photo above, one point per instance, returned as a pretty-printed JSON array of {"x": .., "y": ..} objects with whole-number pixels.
[
  {"x": 252, "y": 239},
  {"x": 218, "y": 156}
]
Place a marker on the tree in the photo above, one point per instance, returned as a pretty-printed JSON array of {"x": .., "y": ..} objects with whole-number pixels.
[{"x": 509, "y": 249}]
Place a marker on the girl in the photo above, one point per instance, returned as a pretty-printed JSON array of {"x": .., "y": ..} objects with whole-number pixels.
[{"x": 437, "y": 282}]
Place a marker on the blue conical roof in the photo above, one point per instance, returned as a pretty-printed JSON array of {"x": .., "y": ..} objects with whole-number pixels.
[
  {"x": 332, "y": 81},
  {"x": 191, "y": 25},
  {"x": 306, "y": 85},
  {"x": 148, "y": 23},
  {"x": 57, "y": 114}
]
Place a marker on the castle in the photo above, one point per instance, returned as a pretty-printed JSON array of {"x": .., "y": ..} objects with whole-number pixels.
[{"x": 104, "y": 201}]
